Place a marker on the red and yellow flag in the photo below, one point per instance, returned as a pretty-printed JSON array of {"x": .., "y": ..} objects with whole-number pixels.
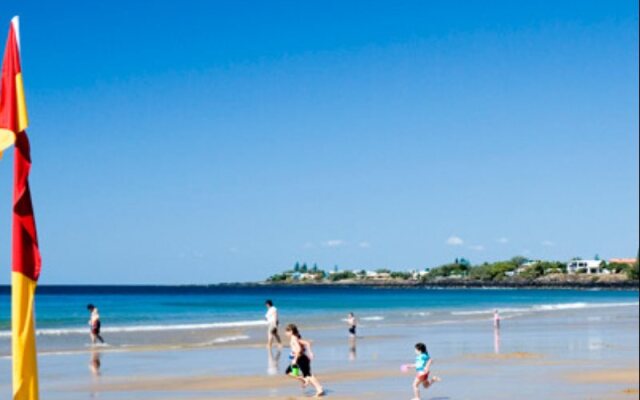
[{"x": 26, "y": 260}]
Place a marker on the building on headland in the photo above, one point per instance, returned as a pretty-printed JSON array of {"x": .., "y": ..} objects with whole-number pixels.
[
  {"x": 586, "y": 267},
  {"x": 417, "y": 274},
  {"x": 381, "y": 276},
  {"x": 627, "y": 261}
]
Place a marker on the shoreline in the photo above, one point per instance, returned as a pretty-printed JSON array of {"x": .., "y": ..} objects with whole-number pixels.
[
  {"x": 461, "y": 284},
  {"x": 454, "y": 284},
  {"x": 470, "y": 356}
]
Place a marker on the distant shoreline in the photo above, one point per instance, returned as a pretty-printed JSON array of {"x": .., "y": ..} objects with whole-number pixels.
[
  {"x": 459, "y": 284},
  {"x": 204, "y": 288}
]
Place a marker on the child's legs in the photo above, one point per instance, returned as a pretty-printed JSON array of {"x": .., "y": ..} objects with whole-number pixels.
[
  {"x": 298, "y": 378},
  {"x": 416, "y": 388},
  {"x": 315, "y": 383},
  {"x": 289, "y": 373}
]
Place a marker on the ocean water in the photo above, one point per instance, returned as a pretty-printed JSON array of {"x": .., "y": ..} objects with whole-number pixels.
[{"x": 200, "y": 315}]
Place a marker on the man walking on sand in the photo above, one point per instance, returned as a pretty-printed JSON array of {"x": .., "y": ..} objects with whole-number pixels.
[{"x": 272, "y": 325}]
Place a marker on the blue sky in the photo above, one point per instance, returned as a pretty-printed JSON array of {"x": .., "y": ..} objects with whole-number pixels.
[{"x": 209, "y": 141}]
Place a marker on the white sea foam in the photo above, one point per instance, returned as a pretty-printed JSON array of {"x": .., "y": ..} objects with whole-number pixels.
[
  {"x": 417, "y": 314},
  {"x": 546, "y": 307},
  {"x": 374, "y": 318},
  {"x": 144, "y": 328},
  {"x": 229, "y": 339}
]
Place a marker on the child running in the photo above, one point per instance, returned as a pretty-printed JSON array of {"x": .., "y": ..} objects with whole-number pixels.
[
  {"x": 94, "y": 323},
  {"x": 423, "y": 368},
  {"x": 301, "y": 356}
]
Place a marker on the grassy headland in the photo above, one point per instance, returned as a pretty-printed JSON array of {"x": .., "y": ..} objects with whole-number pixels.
[{"x": 515, "y": 272}]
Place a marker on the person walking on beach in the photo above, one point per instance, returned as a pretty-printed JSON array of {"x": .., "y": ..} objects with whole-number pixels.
[
  {"x": 272, "y": 325},
  {"x": 352, "y": 322},
  {"x": 95, "y": 324},
  {"x": 301, "y": 356},
  {"x": 423, "y": 369},
  {"x": 496, "y": 319}
]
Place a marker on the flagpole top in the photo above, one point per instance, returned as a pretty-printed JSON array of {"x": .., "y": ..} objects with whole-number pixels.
[{"x": 15, "y": 21}]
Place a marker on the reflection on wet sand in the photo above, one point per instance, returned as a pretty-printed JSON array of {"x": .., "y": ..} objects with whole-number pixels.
[
  {"x": 352, "y": 349},
  {"x": 95, "y": 363},
  {"x": 94, "y": 366},
  {"x": 273, "y": 362}
]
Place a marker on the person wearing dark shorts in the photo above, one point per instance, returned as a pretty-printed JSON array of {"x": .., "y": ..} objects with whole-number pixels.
[
  {"x": 352, "y": 322},
  {"x": 302, "y": 365},
  {"x": 301, "y": 356},
  {"x": 95, "y": 324}
]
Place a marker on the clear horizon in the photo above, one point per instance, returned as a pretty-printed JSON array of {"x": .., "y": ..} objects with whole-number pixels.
[{"x": 224, "y": 141}]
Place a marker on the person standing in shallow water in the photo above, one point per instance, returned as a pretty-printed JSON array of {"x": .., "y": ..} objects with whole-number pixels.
[
  {"x": 273, "y": 321},
  {"x": 95, "y": 324},
  {"x": 496, "y": 319},
  {"x": 353, "y": 324}
]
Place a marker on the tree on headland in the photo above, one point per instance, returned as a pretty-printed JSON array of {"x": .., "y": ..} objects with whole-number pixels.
[
  {"x": 341, "y": 276},
  {"x": 519, "y": 260},
  {"x": 634, "y": 271},
  {"x": 518, "y": 270}
]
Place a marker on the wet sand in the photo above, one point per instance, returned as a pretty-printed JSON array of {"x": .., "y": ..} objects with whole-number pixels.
[{"x": 573, "y": 354}]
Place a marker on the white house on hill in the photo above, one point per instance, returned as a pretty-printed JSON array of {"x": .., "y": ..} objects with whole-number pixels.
[{"x": 585, "y": 266}]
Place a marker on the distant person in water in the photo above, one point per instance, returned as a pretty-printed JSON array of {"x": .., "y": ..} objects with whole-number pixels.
[
  {"x": 273, "y": 321},
  {"x": 94, "y": 323},
  {"x": 423, "y": 370},
  {"x": 352, "y": 322},
  {"x": 301, "y": 356},
  {"x": 496, "y": 319}
]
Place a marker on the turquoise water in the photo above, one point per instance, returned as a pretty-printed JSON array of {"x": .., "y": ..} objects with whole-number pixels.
[
  {"x": 571, "y": 330},
  {"x": 66, "y": 307},
  {"x": 135, "y": 313}
]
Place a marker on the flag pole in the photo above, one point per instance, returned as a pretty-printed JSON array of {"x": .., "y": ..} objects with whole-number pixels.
[{"x": 25, "y": 260}]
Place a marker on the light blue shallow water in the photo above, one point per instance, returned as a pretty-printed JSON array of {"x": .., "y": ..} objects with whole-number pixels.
[
  {"x": 573, "y": 330},
  {"x": 136, "y": 313},
  {"x": 131, "y": 306}
]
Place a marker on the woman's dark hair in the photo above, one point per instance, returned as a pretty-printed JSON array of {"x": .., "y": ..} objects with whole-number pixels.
[
  {"x": 269, "y": 303},
  {"x": 294, "y": 330},
  {"x": 90, "y": 307},
  {"x": 421, "y": 347}
]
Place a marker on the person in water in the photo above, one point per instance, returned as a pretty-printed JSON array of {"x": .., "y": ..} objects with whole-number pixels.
[
  {"x": 352, "y": 323},
  {"x": 301, "y": 356},
  {"x": 273, "y": 321},
  {"x": 95, "y": 324},
  {"x": 496, "y": 319},
  {"x": 423, "y": 370}
]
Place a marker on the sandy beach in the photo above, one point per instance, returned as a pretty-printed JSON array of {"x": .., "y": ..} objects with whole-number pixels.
[{"x": 560, "y": 354}]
